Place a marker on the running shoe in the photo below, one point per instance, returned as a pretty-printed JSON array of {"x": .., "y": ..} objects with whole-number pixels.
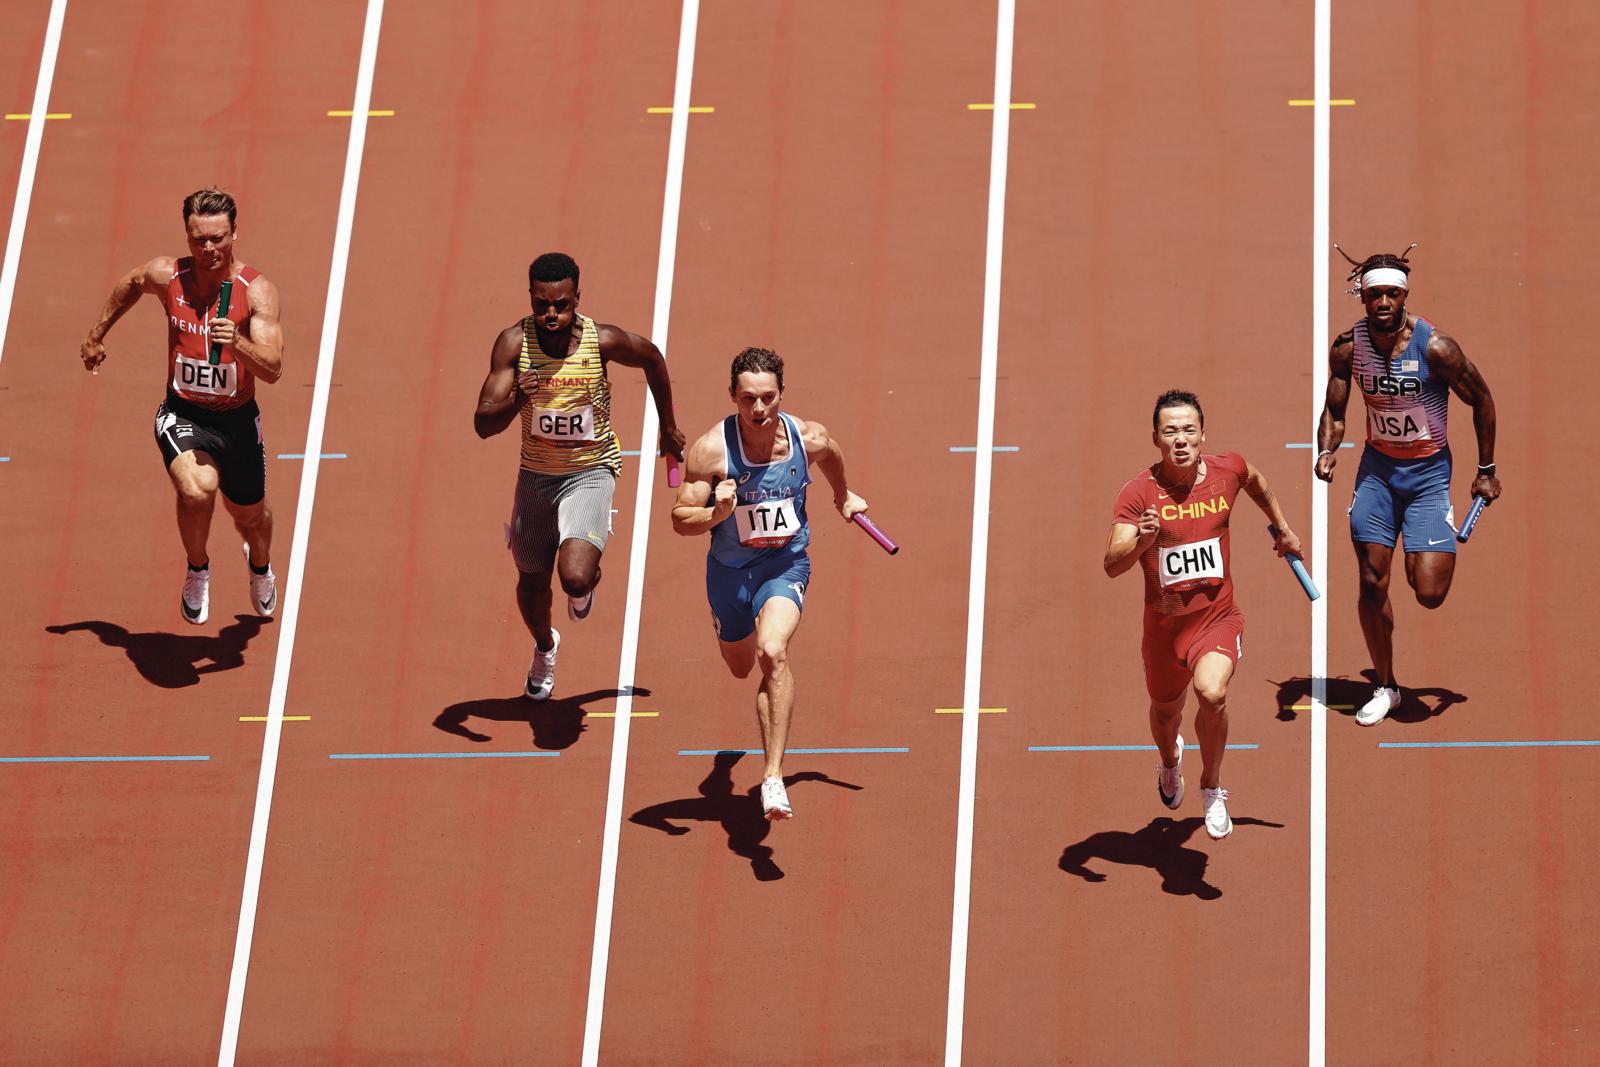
[
  {"x": 1215, "y": 802},
  {"x": 542, "y": 671},
  {"x": 263, "y": 588},
  {"x": 196, "y": 601},
  {"x": 1384, "y": 700},
  {"x": 775, "y": 800},
  {"x": 578, "y": 609},
  {"x": 1169, "y": 780}
]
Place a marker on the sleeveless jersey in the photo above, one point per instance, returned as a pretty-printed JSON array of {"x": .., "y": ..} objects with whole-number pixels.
[
  {"x": 221, "y": 386},
  {"x": 566, "y": 423},
  {"x": 1188, "y": 567},
  {"x": 1406, "y": 405},
  {"x": 769, "y": 519}
]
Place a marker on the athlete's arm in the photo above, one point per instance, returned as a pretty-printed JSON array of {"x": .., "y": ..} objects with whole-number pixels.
[
  {"x": 630, "y": 350},
  {"x": 707, "y": 495},
  {"x": 1128, "y": 542},
  {"x": 1446, "y": 359},
  {"x": 1330, "y": 428},
  {"x": 151, "y": 277},
  {"x": 1256, "y": 485},
  {"x": 262, "y": 345},
  {"x": 824, "y": 451},
  {"x": 504, "y": 391}
]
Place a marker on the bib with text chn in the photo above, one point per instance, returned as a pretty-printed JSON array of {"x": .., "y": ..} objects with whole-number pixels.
[{"x": 566, "y": 424}]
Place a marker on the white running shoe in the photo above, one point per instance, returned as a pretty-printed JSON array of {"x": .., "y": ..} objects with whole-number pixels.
[
  {"x": 1169, "y": 780},
  {"x": 196, "y": 601},
  {"x": 542, "y": 671},
  {"x": 775, "y": 800},
  {"x": 263, "y": 588},
  {"x": 578, "y": 610},
  {"x": 1384, "y": 700},
  {"x": 1215, "y": 802}
]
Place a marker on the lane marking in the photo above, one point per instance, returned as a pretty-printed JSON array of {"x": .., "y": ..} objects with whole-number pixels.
[
  {"x": 1317, "y": 994},
  {"x": 1013, "y": 107},
  {"x": 302, "y": 455},
  {"x": 30, "y": 165},
  {"x": 962, "y": 711},
  {"x": 961, "y": 905},
  {"x": 992, "y": 448},
  {"x": 440, "y": 755},
  {"x": 789, "y": 751},
  {"x": 370, "y": 114},
  {"x": 289, "y": 594},
  {"x": 1488, "y": 744},
  {"x": 26, "y": 116},
  {"x": 666, "y": 265},
  {"x": 104, "y": 759},
  {"x": 1125, "y": 748},
  {"x": 697, "y": 110},
  {"x": 5, "y": 459},
  {"x": 263, "y": 718},
  {"x": 1331, "y": 103}
]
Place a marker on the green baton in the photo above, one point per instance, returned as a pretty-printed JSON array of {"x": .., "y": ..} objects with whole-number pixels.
[{"x": 222, "y": 313}]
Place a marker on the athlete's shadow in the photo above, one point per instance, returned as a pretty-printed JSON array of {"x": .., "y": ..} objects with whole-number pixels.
[
  {"x": 1348, "y": 694},
  {"x": 556, "y": 723},
  {"x": 739, "y": 813},
  {"x": 172, "y": 661},
  {"x": 1161, "y": 846}
]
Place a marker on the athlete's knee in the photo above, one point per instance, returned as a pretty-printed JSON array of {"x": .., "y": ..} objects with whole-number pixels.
[
  {"x": 1211, "y": 691},
  {"x": 773, "y": 655},
  {"x": 577, "y": 577},
  {"x": 1374, "y": 587},
  {"x": 1433, "y": 597},
  {"x": 253, "y": 519},
  {"x": 192, "y": 496},
  {"x": 530, "y": 583}
]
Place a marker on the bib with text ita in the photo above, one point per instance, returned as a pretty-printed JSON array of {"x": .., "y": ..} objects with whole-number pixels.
[{"x": 768, "y": 524}]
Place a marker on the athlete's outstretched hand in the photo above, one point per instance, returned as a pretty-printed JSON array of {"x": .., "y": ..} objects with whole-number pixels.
[
  {"x": 1288, "y": 542},
  {"x": 93, "y": 353},
  {"x": 1325, "y": 464},
  {"x": 672, "y": 442},
  {"x": 850, "y": 506}
]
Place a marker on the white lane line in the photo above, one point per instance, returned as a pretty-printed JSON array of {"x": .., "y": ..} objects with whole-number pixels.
[
  {"x": 665, "y": 266},
  {"x": 1320, "y": 250},
  {"x": 289, "y": 598},
  {"x": 977, "y": 584},
  {"x": 30, "y": 165}
]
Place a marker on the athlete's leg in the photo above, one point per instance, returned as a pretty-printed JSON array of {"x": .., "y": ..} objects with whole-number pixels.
[
  {"x": 1377, "y": 614},
  {"x": 1211, "y": 677},
  {"x": 533, "y": 600},
  {"x": 254, "y": 523},
  {"x": 1166, "y": 716},
  {"x": 578, "y": 567},
  {"x": 740, "y": 656},
  {"x": 775, "y": 627},
  {"x": 194, "y": 475},
  {"x": 1430, "y": 574}
]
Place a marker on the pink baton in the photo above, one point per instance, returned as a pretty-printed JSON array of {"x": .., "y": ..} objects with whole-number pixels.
[
  {"x": 861, "y": 520},
  {"x": 674, "y": 475}
]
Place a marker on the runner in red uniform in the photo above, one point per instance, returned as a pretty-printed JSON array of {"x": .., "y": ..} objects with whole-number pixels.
[
  {"x": 208, "y": 427},
  {"x": 1172, "y": 518}
]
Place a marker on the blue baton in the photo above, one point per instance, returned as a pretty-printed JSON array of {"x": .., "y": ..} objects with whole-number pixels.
[
  {"x": 1478, "y": 504},
  {"x": 1297, "y": 566}
]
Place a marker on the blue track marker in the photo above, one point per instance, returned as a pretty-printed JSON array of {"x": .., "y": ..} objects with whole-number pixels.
[
  {"x": 1478, "y": 504},
  {"x": 103, "y": 759},
  {"x": 996, "y": 448},
  {"x": 1296, "y": 565},
  {"x": 1489, "y": 744},
  {"x": 439, "y": 755},
  {"x": 788, "y": 751},
  {"x": 1121, "y": 748}
]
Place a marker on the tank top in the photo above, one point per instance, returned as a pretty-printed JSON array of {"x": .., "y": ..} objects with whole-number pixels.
[
  {"x": 566, "y": 423},
  {"x": 222, "y": 386},
  {"x": 1406, "y": 405},
  {"x": 769, "y": 519}
]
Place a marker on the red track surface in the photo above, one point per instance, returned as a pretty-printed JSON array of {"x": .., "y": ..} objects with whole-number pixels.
[{"x": 1159, "y": 200}]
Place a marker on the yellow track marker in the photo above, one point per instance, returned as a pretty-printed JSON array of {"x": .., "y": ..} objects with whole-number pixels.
[
  {"x": 1313, "y": 103},
  {"x": 1014, "y": 107},
  {"x": 26, "y": 117},
  {"x": 352, "y": 114},
  {"x": 668, "y": 110},
  {"x": 1330, "y": 707},
  {"x": 958, "y": 711},
  {"x": 263, "y": 718},
  {"x": 631, "y": 715}
]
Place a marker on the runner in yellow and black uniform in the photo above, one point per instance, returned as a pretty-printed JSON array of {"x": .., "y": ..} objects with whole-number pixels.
[{"x": 551, "y": 368}]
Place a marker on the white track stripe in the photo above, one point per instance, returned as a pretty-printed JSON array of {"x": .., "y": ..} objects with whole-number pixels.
[
  {"x": 30, "y": 165},
  {"x": 665, "y": 266},
  {"x": 977, "y": 585},
  {"x": 290, "y": 598},
  {"x": 1320, "y": 250}
]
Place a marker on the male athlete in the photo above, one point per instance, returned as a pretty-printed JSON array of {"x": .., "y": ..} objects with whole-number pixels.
[
  {"x": 552, "y": 368},
  {"x": 208, "y": 427},
  {"x": 1406, "y": 370},
  {"x": 745, "y": 482},
  {"x": 1172, "y": 519}
]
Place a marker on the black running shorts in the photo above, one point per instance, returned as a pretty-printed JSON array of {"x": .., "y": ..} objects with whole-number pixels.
[{"x": 231, "y": 438}]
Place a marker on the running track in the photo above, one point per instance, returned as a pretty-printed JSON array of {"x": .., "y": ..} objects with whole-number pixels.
[{"x": 1157, "y": 220}]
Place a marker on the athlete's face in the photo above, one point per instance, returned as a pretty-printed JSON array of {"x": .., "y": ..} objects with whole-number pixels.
[
  {"x": 210, "y": 240},
  {"x": 1179, "y": 436},
  {"x": 757, "y": 395},
  {"x": 1386, "y": 307},
  {"x": 554, "y": 304}
]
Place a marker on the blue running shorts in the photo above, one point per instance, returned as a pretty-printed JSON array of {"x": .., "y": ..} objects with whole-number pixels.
[
  {"x": 737, "y": 594},
  {"x": 1407, "y": 499}
]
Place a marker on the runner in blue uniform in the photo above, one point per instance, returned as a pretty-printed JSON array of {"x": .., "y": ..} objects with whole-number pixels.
[{"x": 745, "y": 482}]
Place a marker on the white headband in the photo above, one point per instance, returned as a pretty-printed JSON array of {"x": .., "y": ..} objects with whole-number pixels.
[{"x": 1392, "y": 276}]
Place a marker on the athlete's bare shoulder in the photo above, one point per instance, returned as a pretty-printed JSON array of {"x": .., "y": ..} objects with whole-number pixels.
[
  {"x": 623, "y": 346},
  {"x": 507, "y": 346},
  {"x": 813, "y": 435},
  {"x": 263, "y": 295},
  {"x": 1342, "y": 353},
  {"x": 706, "y": 455},
  {"x": 157, "y": 274}
]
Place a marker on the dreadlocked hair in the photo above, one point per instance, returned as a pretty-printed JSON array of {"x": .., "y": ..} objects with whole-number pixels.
[{"x": 1401, "y": 263}]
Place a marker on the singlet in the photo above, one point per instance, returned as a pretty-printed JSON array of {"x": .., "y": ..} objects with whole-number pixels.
[
  {"x": 222, "y": 386},
  {"x": 566, "y": 423},
  {"x": 1406, "y": 404},
  {"x": 769, "y": 519},
  {"x": 1187, "y": 567}
]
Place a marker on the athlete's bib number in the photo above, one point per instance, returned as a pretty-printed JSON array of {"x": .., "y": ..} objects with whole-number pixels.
[
  {"x": 568, "y": 427},
  {"x": 767, "y": 524},
  {"x": 1399, "y": 426},
  {"x": 195, "y": 376},
  {"x": 1197, "y": 562}
]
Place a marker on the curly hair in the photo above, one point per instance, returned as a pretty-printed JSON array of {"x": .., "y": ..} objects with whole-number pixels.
[
  {"x": 553, "y": 267},
  {"x": 757, "y": 360}
]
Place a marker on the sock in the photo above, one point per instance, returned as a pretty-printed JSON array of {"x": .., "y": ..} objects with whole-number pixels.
[
  {"x": 203, "y": 567},
  {"x": 260, "y": 570}
]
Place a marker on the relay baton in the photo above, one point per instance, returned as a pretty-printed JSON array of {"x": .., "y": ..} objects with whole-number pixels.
[
  {"x": 1478, "y": 504},
  {"x": 861, "y": 520},
  {"x": 674, "y": 474},
  {"x": 222, "y": 313},
  {"x": 1297, "y": 566}
]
